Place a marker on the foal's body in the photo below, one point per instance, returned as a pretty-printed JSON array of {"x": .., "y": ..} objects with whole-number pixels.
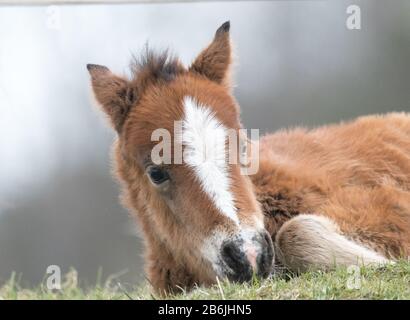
[
  {"x": 350, "y": 181},
  {"x": 335, "y": 195}
]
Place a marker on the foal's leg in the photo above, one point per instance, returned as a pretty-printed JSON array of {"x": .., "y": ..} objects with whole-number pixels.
[{"x": 315, "y": 242}]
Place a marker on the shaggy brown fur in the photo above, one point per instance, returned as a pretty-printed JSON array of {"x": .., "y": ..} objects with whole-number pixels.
[
  {"x": 338, "y": 194},
  {"x": 355, "y": 173}
]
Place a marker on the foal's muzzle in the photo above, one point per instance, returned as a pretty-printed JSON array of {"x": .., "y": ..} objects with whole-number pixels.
[{"x": 243, "y": 258}]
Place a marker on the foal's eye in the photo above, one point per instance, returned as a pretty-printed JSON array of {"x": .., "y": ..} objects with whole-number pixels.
[{"x": 157, "y": 175}]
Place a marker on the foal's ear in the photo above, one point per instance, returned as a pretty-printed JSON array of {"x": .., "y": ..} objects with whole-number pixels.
[
  {"x": 113, "y": 93},
  {"x": 214, "y": 61}
]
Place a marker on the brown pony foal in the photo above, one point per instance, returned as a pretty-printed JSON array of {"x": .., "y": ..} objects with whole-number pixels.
[{"x": 338, "y": 194}]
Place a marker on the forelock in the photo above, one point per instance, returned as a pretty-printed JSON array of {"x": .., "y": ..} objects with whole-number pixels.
[{"x": 155, "y": 66}]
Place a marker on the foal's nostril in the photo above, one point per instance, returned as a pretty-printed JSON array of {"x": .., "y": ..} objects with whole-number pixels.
[
  {"x": 267, "y": 238},
  {"x": 237, "y": 261},
  {"x": 231, "y": 253},
  {"x": 265, "y": 259}
]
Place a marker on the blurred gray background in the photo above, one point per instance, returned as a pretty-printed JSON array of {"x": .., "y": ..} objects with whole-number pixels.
[{"x": 297, "y": 64}]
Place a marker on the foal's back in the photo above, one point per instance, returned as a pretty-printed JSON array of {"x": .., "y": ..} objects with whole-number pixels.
[{"x": 356, "y": 174}]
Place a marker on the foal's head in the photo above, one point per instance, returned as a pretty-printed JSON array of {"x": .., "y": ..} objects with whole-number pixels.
[{"x": 199, "y": 207}]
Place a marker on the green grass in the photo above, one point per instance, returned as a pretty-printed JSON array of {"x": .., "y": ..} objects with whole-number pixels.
[{"x": 390, "y": 282}]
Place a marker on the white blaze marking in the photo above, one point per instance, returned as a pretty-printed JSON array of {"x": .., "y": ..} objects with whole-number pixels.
[{"x": 204, "y": 139}]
